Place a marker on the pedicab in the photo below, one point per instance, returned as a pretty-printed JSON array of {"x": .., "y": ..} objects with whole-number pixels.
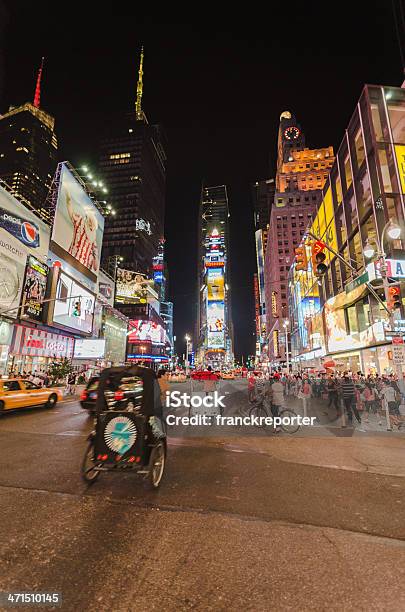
[{"x": 129, "y": 433}]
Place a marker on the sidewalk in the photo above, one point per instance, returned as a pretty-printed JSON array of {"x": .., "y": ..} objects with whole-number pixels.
[{"x": 369, "y": 448}]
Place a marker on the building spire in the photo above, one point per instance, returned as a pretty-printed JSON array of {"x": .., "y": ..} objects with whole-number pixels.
[
  {"x": 37, "y": 97},
  {"x": 139, "y": 90}
]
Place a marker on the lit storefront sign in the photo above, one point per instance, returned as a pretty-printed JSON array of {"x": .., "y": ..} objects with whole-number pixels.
[
  {"x": 37, "y": 343},
  {"x": 274, "y": 311},
  {"x": 275, "y": 342},
  {"x": 400, "y": 155},
  {"x": 89, "y": 348},
  {"x": 34, "y": 289},
  {"x": 75, "y": 313}
]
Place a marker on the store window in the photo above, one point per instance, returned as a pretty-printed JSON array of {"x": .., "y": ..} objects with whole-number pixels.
[
  {"x": 385, "y": 170},
  {"x": 351, "y": 318},
  {"x": 394, "y": 213},
  {"x": 356, "y": 251},
  {"x": 396, "y": 113},
  {"x": 348, "y": 172},
  {"x": 359, "y": 147},
  {"x": 363, "y": 195},
  {"x": 375, "y": 115},
  {"x": 351, "y": 213}
]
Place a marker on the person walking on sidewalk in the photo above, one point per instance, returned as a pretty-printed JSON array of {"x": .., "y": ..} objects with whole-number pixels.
[
  {"x": 349, "y": 394},
  {"x": 71, "y": 386},
  {"x": 333, "y": 395}
]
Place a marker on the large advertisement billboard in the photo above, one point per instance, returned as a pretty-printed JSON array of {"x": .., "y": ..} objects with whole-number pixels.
[
  {"x": 131, "y": 287},
  {"x": 215, "y": 285},
  {"x": 74, "y": 305},
  {"x": 22, "y": 233},
  {"x": 89, "y": 348},
  {"x": 105, "y": 289},
  {"x": 34, "y": 289},
  {"x": 78, "y": 227},
  {"x": 215, "y": 324},
  {"x": 148, "y": 331}
]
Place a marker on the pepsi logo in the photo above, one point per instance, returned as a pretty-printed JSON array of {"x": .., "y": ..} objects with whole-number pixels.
[{"x": 29, "y": 232}]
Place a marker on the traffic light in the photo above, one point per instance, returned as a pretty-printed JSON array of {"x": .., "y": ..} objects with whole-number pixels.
[
  {"x": 318, "y": 258},
  {"x": 394, "y": 298},
  {"x": 301, "y": 261}
]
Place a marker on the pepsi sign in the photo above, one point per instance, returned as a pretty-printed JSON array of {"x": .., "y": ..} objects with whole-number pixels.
[{"x": 25, "y": 231}]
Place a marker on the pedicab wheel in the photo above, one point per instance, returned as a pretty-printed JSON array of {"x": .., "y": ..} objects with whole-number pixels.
[
  {"x": 259, "y": 411},
  {"x": 88, "y": 469},
  {"x": 157, "y": 465},
  {"x": 293, "y": 427}
]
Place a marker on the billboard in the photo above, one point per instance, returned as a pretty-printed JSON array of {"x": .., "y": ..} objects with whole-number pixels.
[
  {"x": 89, "y": 348},
  {"x": 76, "y": 313},
  {"x": 34, "y": 289},
  {"x": 131, "y": 287},
  {"x": 215, "y": 285},
  {"x": 147, "y": 331},
  {"x": 22, "y": 233},
  {"x": 215, "y": 324},
  {"x": 78, "y": 227},
  {"x": 105, "y": 289}
]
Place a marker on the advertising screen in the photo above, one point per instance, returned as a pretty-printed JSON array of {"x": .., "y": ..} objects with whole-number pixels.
[
  {"x": 215, "y": 323},
  {"x": 22, "y": 233},
  {"x": 147, "y": 331},
  {"x": 78, "y": 227},
  {"x": 89, "y": 348},
  {"x": 105, "y": 289},
  {"x": 131, "y": 287},
  {"x": 215, "y": 285},
  {"x": 76, "y": 313},
  {"x": 34, "y": 289}
]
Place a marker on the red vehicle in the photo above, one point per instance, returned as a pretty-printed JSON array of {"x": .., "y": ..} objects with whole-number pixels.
[{"x": 203, "y": 375}]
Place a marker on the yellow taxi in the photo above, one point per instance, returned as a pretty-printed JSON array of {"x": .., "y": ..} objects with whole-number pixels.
[{"x": 19, "y": 393}]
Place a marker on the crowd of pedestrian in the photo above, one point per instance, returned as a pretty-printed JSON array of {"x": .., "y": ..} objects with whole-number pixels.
[{"x": 352, "y": 393}]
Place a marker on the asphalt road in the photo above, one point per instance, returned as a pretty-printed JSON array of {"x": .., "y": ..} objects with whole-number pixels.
[{"x": 226, "y": 530}]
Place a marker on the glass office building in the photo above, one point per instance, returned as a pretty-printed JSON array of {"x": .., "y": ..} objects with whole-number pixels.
[{"x": 335, "y": 316}]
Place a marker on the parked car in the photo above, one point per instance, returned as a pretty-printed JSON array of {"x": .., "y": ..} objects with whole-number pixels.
[
  {"x": 16, "y": 393},
  {"x": 89, "y": 395}
]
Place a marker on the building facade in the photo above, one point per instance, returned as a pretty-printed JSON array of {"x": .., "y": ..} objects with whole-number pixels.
[
  {"x": 263, "y": 198},
  {"x": 133, "y": 166},
  {"x": 301, "y": 174},
  {"x": 336, "y": 317},
  {"x": 214, "y": 334}
]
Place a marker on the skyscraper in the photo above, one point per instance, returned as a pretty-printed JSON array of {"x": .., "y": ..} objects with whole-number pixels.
[
  {"x": 28, "y": 152},
  {"x": 301, "y": 174},
  {"x": 133, "y": 165},
  {"x": 214, "y": 332},
  {"x": 263, "y": 198}
]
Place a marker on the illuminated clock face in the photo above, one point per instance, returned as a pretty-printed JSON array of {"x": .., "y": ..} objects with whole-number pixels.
[{"x": 292, "y": 132}]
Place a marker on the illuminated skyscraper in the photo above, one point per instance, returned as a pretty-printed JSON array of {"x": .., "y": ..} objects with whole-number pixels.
[
  {"x": 28, "y": 152},
  {"x": 133, "y": 166},
  {"x": 214, "y": 321},
  {"x": 301, "y": 174}
]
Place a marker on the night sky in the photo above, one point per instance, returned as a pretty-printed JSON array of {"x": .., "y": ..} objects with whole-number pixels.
[{"x": 217, "y": 84}]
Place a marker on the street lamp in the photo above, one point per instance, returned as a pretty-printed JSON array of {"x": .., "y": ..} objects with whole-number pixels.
[
  {"x": 113, "y": 262},
  {"x": 285, "y": 325},
  {"x": 187, "y": 339},
  {"x": 393, "y": 231}
]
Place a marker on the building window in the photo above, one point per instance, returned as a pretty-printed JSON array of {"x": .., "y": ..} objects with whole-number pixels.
[{"x": 359, "y": 147}]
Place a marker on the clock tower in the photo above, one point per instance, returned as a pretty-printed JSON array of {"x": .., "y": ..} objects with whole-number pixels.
[
  {"x": 290, "y": 137},
  {"x": 301, "y": 174}
]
